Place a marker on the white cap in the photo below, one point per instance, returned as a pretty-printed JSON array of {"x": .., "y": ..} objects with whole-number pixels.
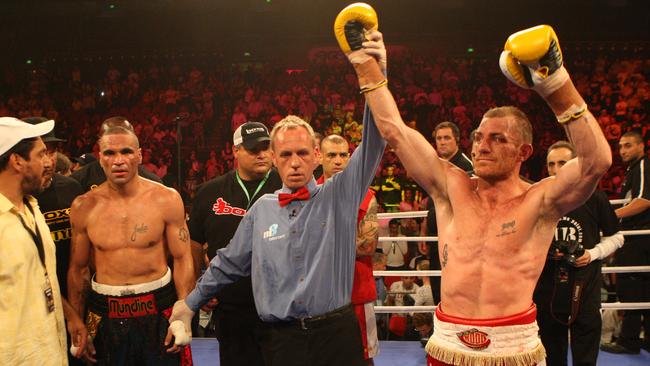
[{"x": 12, "y": 130}]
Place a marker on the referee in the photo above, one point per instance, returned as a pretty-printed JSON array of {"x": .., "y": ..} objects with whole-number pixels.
[{"x": 216, "y": 212}]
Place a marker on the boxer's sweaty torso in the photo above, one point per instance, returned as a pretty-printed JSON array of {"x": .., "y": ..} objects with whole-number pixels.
[
  {"x": 127, "y": 235},
  {"x": 492, "y": 246}
]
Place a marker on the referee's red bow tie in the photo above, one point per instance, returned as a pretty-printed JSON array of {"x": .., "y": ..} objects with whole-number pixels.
[{"x": 300, "y": 195}]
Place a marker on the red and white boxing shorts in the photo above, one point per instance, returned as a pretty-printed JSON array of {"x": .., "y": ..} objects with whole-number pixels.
[{"x": 507, "y": 341}]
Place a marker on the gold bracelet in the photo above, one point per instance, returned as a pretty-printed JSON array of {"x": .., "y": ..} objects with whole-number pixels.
[
  {"x": 572, "y": 114},
  {"x": 367, "y": 89}
]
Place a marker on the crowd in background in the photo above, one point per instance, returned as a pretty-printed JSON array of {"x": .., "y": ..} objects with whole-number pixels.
[{"x": 206, "y": 102}]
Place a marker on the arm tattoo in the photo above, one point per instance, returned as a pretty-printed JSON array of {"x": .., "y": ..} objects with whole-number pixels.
[
  {"x": 183, "y": 235},
  {"x": 445, "y": 256},
  {"x": 138, "y": 230},
  {"x": 507, "y": 228},
  {"x": 368, "y": 227}
]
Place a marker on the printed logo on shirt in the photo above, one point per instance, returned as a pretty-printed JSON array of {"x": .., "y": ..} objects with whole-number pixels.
[
  {"x": 568, "y": 230},
  {"x": 57, "y": 216},
  {"x": 221, "y": 207},
  {"x": 63, "y": 234},
  {"x": 272, "y": 233}
]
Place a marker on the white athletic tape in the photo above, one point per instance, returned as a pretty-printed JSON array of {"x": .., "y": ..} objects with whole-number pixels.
[
  {"x": 181, "y": 338},
  {"x": 73, "y": 350}
]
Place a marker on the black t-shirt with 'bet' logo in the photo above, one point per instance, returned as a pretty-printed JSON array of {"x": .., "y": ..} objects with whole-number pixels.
[{"x": 219, "y": 206}]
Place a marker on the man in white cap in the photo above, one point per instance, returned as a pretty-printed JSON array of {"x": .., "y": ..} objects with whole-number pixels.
[{"x": 31, "y": 311}]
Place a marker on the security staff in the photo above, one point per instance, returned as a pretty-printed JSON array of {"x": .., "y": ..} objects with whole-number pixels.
[{"x": 634, "y": 287}]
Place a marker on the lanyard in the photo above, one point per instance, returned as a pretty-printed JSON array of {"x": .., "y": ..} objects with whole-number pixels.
[
  {"x": 36, "y": 236},
  {"x": 259, "y": 186},
  {"x": 38, "y": 241}
]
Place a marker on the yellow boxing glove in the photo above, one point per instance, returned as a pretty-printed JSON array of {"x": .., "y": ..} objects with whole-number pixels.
[
  {"x": 350, "y": 24},
  {"x": 532, "y": 59},
  {"x": 350, "y": 29}
]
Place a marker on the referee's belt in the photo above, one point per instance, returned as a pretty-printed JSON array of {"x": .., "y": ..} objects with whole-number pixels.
[
  {"x": 133, "y": 306},
  {"x": 313, "y": 322}
]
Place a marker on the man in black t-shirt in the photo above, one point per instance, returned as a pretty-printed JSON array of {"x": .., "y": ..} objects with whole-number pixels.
[
  {"x": 568, "y": 291},
  {"x": 91, "y": 175},
  {"x": 634, "y": 287},
  {"x": 218, "y": 207},
  {"x": 447, "y": 137}
]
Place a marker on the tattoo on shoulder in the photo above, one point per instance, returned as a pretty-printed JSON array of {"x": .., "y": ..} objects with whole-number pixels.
[
  {"x": 507, "y": 228},
  {"x": 445, "y": 256},
  {"x": 183, "y": 235},
  {"x": 138, "y": 229}
]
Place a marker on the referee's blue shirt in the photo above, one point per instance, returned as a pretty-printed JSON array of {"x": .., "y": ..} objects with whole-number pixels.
[{"x": 301, "y": 256}]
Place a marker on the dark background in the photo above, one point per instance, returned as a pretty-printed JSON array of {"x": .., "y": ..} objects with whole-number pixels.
[{"x": 36, "y": 29}]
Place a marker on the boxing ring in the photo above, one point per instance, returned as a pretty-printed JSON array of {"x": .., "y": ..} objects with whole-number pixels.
[{"x": 409, "y": 353}]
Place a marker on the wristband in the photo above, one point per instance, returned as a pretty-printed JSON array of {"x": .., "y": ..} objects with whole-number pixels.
[
  {"x": 573, "y": 113},
  {"x": 367, "y": 89}
]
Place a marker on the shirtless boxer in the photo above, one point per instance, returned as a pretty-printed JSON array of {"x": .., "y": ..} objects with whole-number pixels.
[
  {"x": 494, "y": 229},
  {"x": 131, "y": 225}
]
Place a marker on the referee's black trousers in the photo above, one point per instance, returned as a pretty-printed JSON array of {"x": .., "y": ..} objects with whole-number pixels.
[{"x": 334, "y": 340}]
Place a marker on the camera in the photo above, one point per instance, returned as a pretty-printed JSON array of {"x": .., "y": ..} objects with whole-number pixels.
[{"x": 571, "y": 250}]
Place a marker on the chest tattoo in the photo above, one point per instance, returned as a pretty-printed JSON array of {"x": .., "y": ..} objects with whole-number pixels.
[
  {"x": 445, "y": 256},
  {"x": 507, "y": 228},
  {"x": 138, "y": 229}
]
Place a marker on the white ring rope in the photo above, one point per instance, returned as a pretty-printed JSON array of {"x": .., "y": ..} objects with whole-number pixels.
[
  {"x": 402, "y": 215},
  {"x": 620, "y": 202},
  {"x": 424, "y": 309},
  {"x": 420, "y": 309},
  {"x": 382, "y": 239},
  {"x": 437, "y": 272},
  {"x": 435, "y": 238},
  {"x": 416, "y": 214}
]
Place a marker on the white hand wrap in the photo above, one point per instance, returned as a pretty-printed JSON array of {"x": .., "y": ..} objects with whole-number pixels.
[
  {"x": 607, "y": 246},
  {"x": 181, "y": 338}
]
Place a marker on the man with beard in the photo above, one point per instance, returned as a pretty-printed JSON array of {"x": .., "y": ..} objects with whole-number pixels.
[
  {"x": 31, "y": 310},
  {"x": 54, "y": 201}
]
